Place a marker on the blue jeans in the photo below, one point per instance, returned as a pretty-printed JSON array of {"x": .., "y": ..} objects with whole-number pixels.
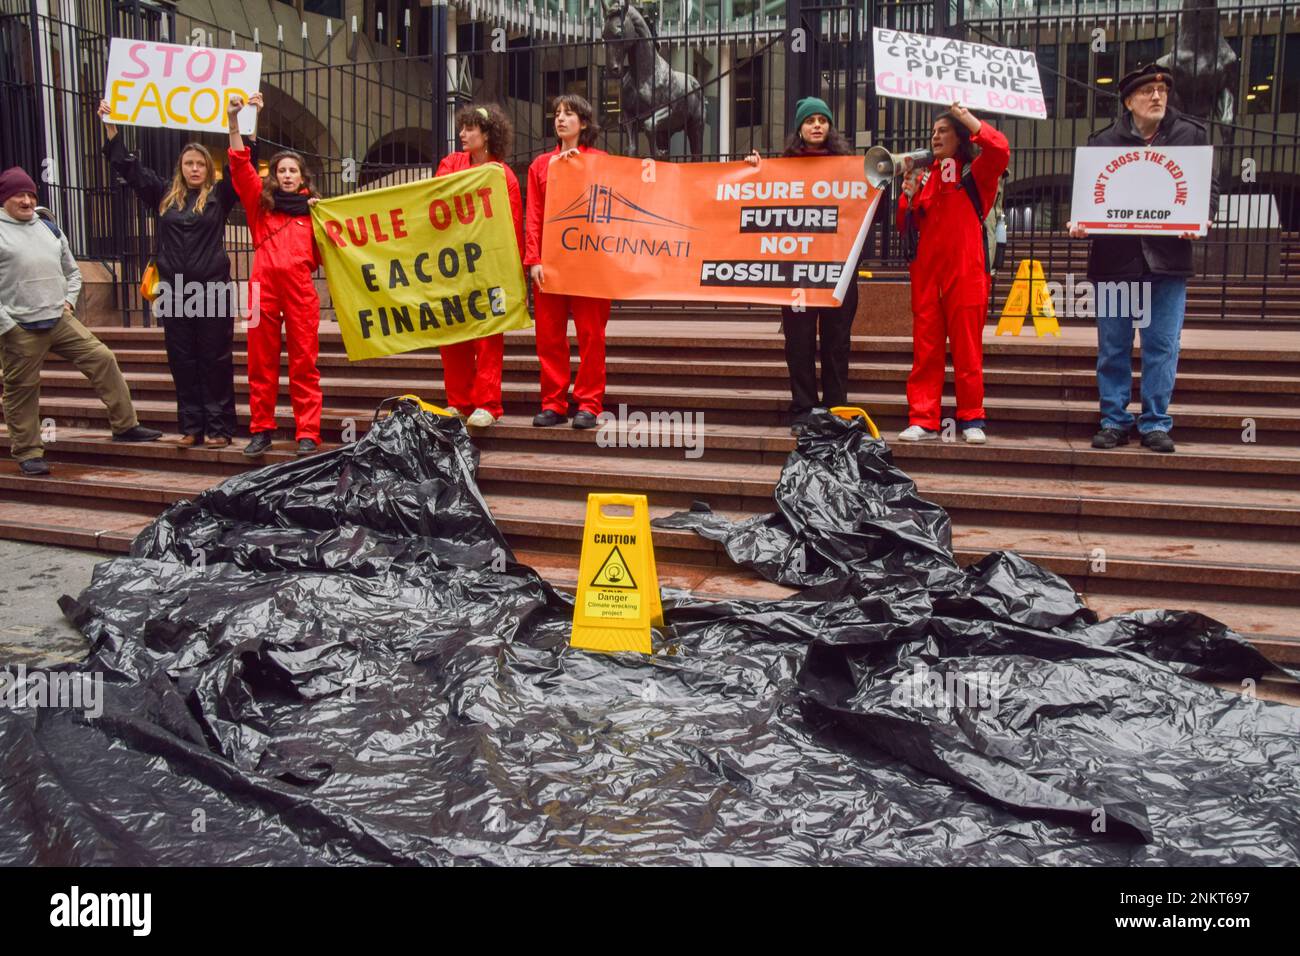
[{"x": 1164, "y": 299}]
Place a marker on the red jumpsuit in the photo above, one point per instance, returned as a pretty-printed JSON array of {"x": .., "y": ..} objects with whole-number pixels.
[
  {"x": 551, "y": 314},
  {"x": 471, "y": 371},
  {"x": 950, "y": 288},
  {"x": 284, "y": 260}
]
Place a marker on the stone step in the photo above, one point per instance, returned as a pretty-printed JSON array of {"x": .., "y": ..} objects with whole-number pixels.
[
  {"x": 545, "y": 536},
  {"x": 1196, "y": 465},
  {"x": 538, "y": 502},
  {"x": 755, "y": 359},
  {"x": 347, "y": 384},
  {"x": 1075, "y": 419},
  {"x": 1265, "y": 352}
]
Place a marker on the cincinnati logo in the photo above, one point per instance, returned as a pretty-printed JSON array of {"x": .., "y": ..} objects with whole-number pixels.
[{"x": 604, "y": 206}]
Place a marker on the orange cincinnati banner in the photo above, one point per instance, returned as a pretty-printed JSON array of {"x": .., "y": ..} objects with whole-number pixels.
[{"x": 788, "y": 232}]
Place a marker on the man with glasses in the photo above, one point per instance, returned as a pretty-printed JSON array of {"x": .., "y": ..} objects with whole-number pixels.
[{"x": 1155, "y": 270}]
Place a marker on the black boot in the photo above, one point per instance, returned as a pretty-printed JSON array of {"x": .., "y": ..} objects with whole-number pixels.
[
  {"x": 1109, "y": 438},
  {"x": 138, "y": 433},
  {"x": 546, "y": 418},
  {"x": 258, "y": 446}
]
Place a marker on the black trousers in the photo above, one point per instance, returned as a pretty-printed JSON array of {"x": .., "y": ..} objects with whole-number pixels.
[
  {"x": 800, "y": 329},
  {"x": 200, "y": 353}
]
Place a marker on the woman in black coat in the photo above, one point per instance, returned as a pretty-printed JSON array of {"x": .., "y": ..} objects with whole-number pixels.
[
  {"x": 199, "y": 324},
  {"x": 816, "y": 135}
]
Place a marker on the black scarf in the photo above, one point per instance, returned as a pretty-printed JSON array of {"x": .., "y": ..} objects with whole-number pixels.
[{"x": 295, "y": 204}]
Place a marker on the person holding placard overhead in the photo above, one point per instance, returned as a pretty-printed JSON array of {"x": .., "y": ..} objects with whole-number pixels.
[
  {"x": 944, "y": 208},
  {"x": 190, "y": 239},
  {"x": 285, "y": 259},
  {"x": 1159, "y": 264}
]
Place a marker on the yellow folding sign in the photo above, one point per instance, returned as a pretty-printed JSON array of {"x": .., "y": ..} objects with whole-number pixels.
[
  {"x": 618, "y": 587},
  {"x": 1029, "y": 295}
]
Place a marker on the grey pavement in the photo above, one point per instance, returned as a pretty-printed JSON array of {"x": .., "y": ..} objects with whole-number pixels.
[{"x": 33, "y": 577}]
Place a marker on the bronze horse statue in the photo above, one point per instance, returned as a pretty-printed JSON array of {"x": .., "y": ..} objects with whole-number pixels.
[
  {"x": 655, "y": 98},
  {"x": 1206, "y": 74},
  {"x": 1204, "y": 67}
]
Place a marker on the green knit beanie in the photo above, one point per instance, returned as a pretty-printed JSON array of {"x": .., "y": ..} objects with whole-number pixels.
[{"x": 808, "y": 107}]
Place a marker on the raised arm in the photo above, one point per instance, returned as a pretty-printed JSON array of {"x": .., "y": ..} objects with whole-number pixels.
[
  {"x": 243, "y": 175},
  {"x": 226, "y": 191},
  {"x": 232, "y": 118},
  {"x": 144, "y": 182}
]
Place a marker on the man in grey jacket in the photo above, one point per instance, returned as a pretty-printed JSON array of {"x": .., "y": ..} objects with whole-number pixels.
[{"x": 39, "y": 284}]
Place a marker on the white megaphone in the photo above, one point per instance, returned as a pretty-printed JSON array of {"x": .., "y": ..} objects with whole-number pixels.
[{"x": 882, "y": 166}]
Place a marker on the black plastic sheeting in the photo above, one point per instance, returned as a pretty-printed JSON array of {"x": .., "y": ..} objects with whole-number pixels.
[{"x": 337, "y": 660}]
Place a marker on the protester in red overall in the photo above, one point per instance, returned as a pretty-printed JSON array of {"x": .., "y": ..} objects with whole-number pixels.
[
  {"x": 576, "y": 129},
  {"x": 471, "y": 371},
  {"x": 285, "y": 258},
  {"x": 950, "y": 283}
]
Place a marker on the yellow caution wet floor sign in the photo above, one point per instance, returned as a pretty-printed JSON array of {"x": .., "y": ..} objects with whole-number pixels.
[
  {"x": 618, "y": 588},
  {"x": 1029, "y": 296}
]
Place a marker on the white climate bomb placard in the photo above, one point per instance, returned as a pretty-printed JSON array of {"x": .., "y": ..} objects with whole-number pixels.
[{"x": 990, "y": 79}]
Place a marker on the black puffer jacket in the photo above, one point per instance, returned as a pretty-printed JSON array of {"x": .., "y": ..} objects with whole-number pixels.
[
  {"x": 187, "y": 243},
  {"x": 1129, "y": 257}
]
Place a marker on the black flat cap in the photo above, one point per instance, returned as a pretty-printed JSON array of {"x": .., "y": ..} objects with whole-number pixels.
[{"x": 1143, "y": 75}]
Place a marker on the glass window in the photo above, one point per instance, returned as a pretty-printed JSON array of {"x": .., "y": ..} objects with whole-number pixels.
[
  {"x": 388, "y": 25},
  {"x": 1289, "y": 101},
  {"x": 556, "y": 82},
  {"x": 1076, "y": 73},
  {"x": 1049, "y": 64},
  {"x": 1259, "y": 88},
  {"x": 326, "y": 8},
  {"x": 1107, "y": 80},
  {"x": 1138, "y": 53},
  {"x": 747, "y": 84},
  {"x": 519, "y": 69}
]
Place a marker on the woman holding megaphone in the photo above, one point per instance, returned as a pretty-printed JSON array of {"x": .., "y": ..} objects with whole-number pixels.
[
  {"x": 943, "y": 208},
  {"x": 190, "y": 247}
]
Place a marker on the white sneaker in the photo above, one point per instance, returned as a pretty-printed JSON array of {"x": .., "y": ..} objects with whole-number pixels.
[
  {"x": 973, "y": 436},
  {"x": 916, "y": 433},
  {"x": 481, "y": 418},
  {"x": 453, "y": 410}
]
